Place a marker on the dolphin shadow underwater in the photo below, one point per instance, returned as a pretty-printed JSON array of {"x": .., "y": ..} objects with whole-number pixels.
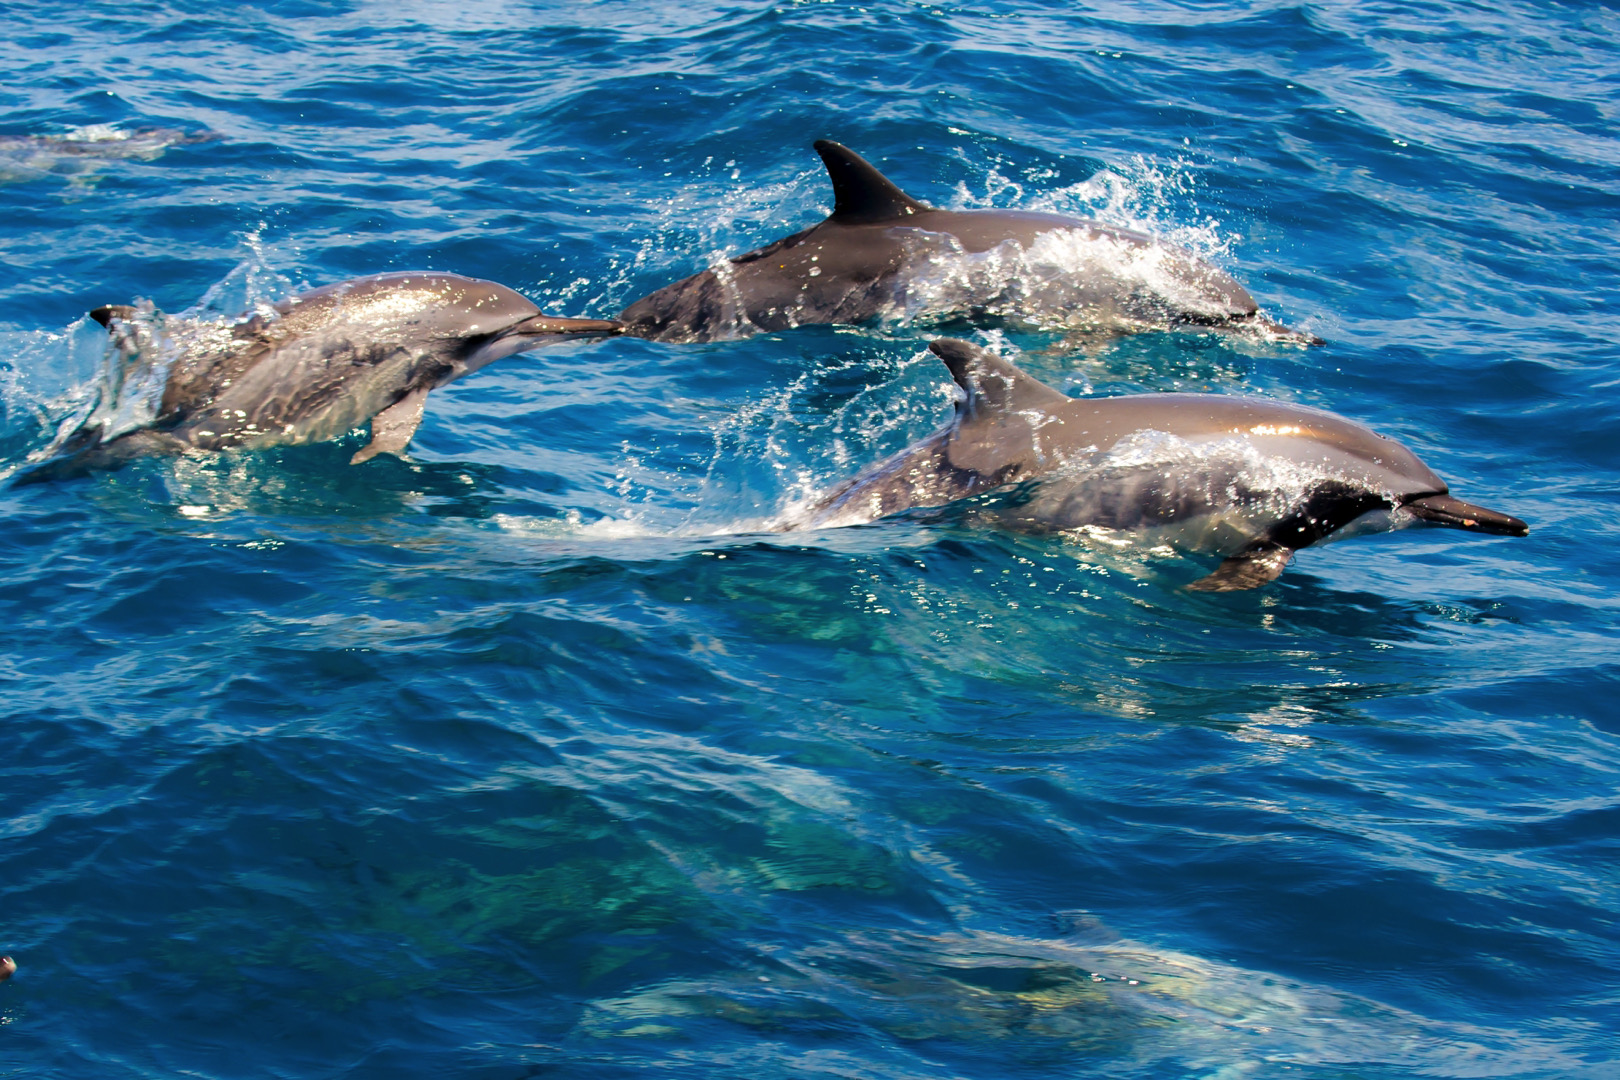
[
  {"x": 324, "y": 363},
  {"x": 882, "y": 252},
  {"x": 1249, "y": 478}
]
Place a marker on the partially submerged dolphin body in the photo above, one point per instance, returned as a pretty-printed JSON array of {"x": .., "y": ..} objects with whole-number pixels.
[
  {"x": 80, "y": 152},
  {"x": 1249, "y": 478},
  {"x": 881, "y": 252},
  {"x": 324, "y": 363}
]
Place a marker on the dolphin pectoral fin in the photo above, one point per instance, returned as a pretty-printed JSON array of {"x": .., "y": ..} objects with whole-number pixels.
[
  {"x": 391, "y": 429},
  {"x": 1246, "y": 570},
  {"x": 1331, "y": 506}
]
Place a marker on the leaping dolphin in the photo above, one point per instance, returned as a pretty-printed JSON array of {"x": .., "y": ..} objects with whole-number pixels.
[
  {"x": 883, "y": 252},
  {"x": 1249, "y": 478},
  {"x": 324, "y": 363}
]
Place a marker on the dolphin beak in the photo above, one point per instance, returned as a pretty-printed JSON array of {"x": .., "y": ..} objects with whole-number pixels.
[
  {"x": 558, "y": 324},
  {"x": 1444, "y": 510},
  {"x": 1278, "y": 332}
]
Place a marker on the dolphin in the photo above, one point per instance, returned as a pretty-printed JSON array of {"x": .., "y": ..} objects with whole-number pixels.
[
  {"x": 80, "y": 151},
  {"x": 1252, "y": 479},
  {"x": 321, "y": 364},
  {"x": 882, "y": 252}
]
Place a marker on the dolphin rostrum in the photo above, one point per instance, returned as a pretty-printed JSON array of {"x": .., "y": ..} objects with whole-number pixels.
[
  {"x": 1249, "y": 478},
  {"x": 323, "y": 363},
  {"x": 881, "y": 252}
]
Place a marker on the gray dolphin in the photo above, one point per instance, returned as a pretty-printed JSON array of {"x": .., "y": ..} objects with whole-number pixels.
[
  {"x": 80, "y": 152},
  {"x": 883, "y": 252},
  {"x": 324, "y": 363},
  {"x": 1249, "y": 478}
]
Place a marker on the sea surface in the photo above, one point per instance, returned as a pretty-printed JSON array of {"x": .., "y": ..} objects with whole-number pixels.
[{"x": 536, "y": 753}]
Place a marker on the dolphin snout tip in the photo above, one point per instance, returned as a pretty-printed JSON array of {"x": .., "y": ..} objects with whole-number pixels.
[
  {"x": 1276, "y": 331},
  {"x": 1446, "y": 510},
  {"x": 558, "y": 324}
]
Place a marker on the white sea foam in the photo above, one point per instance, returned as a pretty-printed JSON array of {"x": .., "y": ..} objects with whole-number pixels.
[{"x": 1070, "y": 279}]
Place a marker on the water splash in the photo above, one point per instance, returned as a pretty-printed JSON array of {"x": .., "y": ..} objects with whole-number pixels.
[
  {"x": 701, "y": 225},
  {"x": 1077, "y": 279},
  {"x": 82, "y": 381}
]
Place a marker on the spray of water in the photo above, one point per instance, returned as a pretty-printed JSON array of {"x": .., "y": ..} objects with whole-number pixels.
[{"x": 84, "y": 382}]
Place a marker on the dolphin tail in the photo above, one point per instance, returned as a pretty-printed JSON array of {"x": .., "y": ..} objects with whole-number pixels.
[
  {"x": 1445, "y": 510},
  {"x": 104, "y": 456}
]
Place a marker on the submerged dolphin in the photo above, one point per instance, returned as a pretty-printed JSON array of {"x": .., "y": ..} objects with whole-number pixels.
[
  {"x": 1246, "y": 477},
  {"x": 324, "y": 363},
  {"x": 79, "y": 152},
  {"x": 883, "y": 252}
]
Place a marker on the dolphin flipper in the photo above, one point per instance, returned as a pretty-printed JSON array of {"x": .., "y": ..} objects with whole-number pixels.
[
  {"x": 1246, "y": 570},
  {"x": 392, "y": 429},
  {"x": 1330, "y": 506}
]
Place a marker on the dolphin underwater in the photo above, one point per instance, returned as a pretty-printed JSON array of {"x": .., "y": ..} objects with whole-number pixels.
[
  {"x": 78, "y": 153},
  {"x": 882, "y": 252},
  {"x": 322, "y": 364},
  {"x": 1252, "y": 479}
]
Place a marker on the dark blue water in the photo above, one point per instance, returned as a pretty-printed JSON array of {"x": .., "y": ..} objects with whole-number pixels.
[{"x": 532, "y": 755}]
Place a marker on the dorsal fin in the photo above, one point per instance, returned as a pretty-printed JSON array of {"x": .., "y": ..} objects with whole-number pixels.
[
  {"x": 997, "y": 418},
  {"x": 861, "y": 194},
  {"x": 108, "y": 312},
  {"x": 992, "y": 385}
]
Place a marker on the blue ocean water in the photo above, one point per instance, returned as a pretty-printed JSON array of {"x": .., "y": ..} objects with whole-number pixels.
[{"x": 535, "y": 755}]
